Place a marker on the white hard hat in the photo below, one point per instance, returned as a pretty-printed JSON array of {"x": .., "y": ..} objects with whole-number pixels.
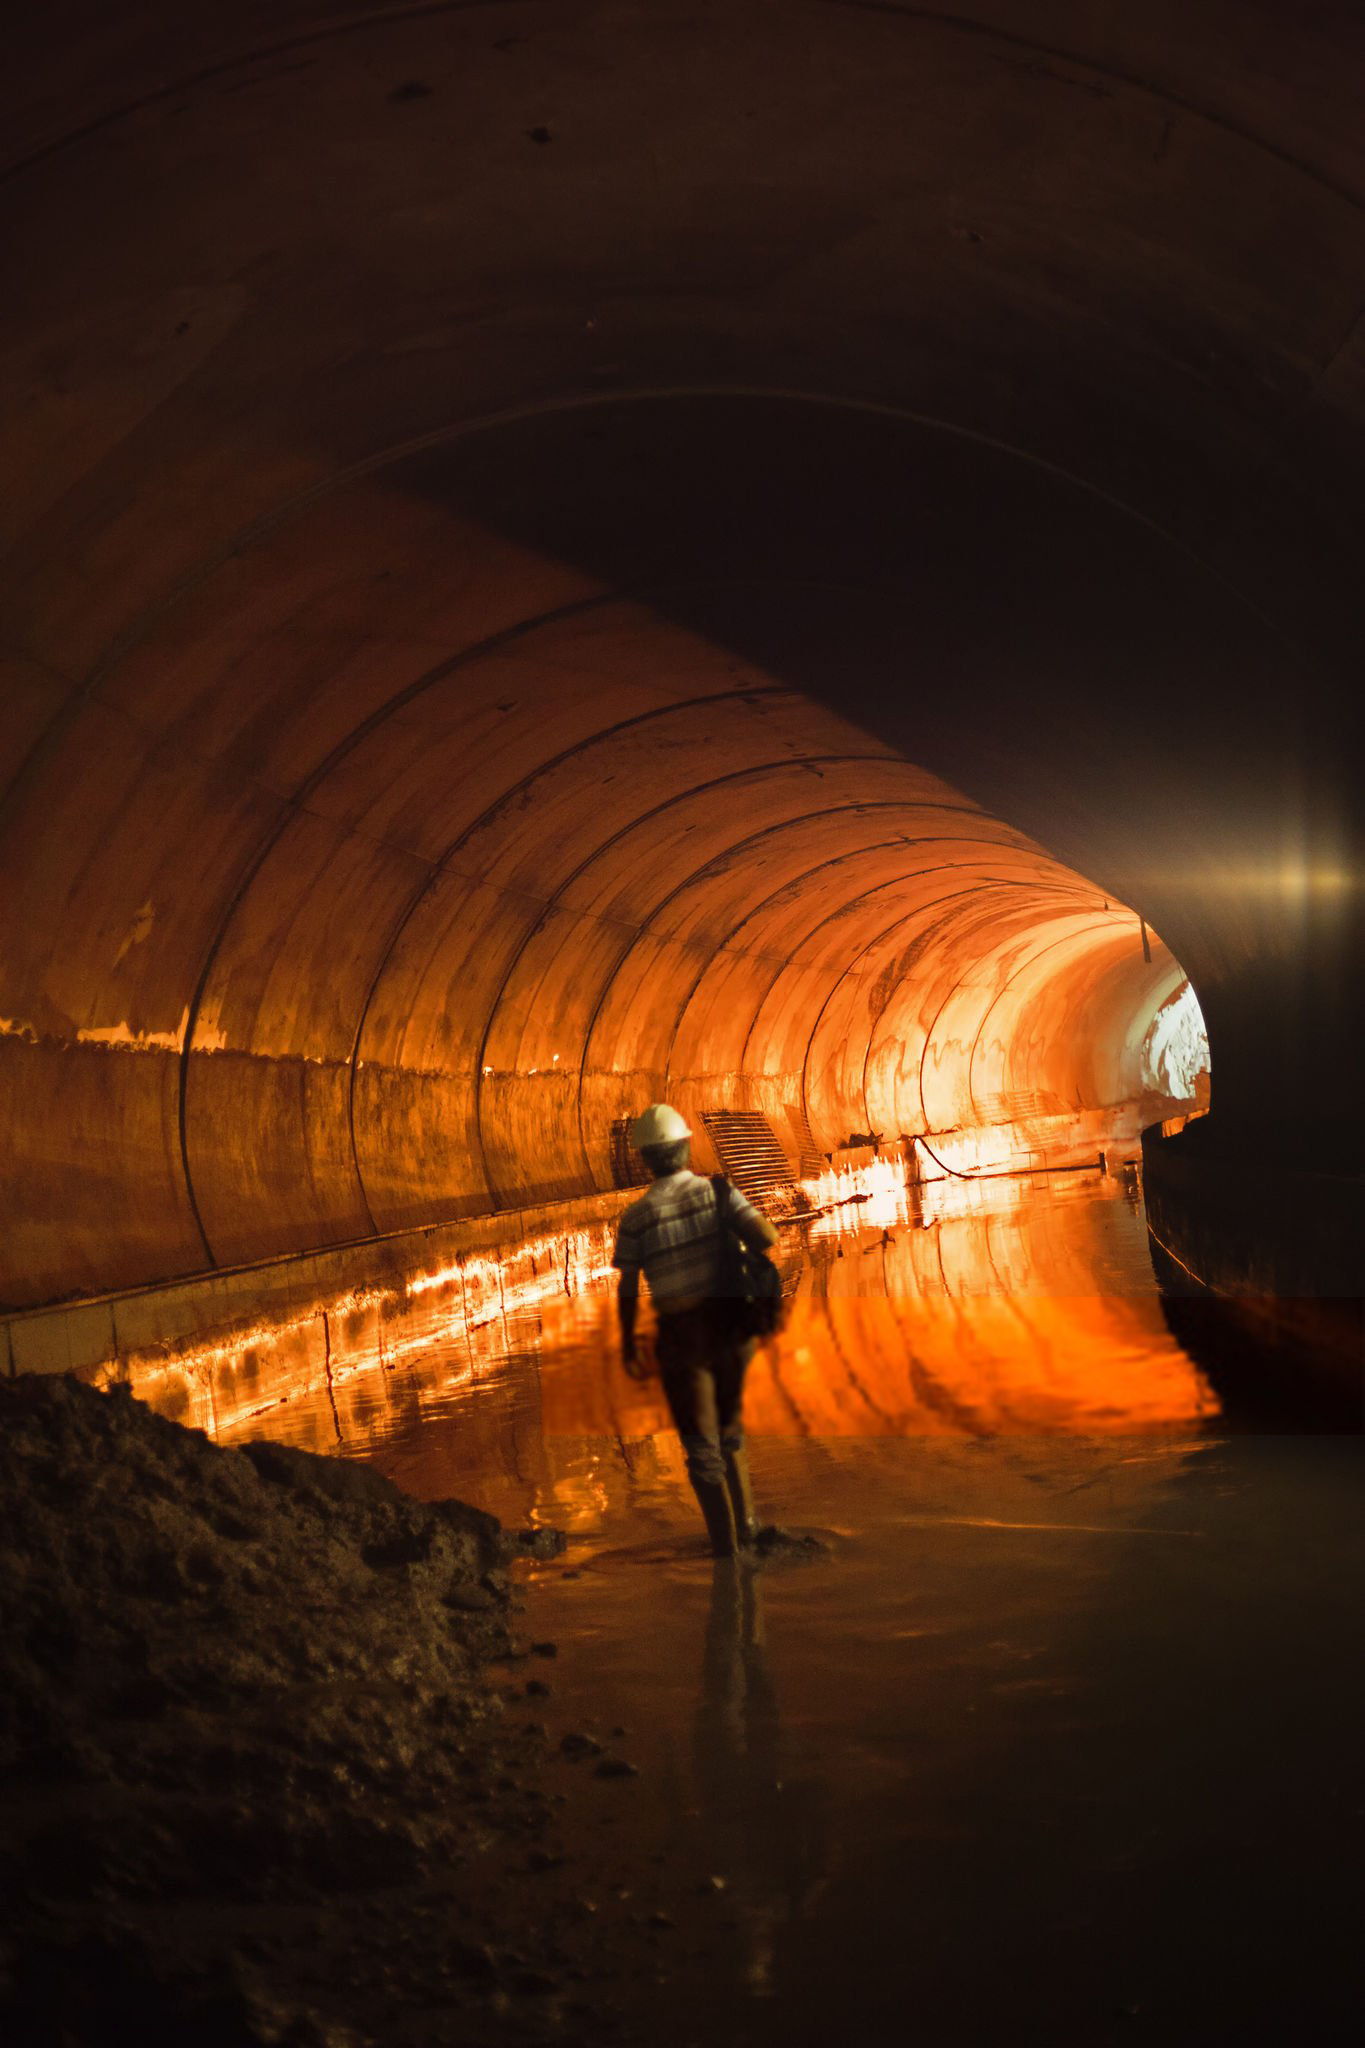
[{"x": 659, "y": 1125}]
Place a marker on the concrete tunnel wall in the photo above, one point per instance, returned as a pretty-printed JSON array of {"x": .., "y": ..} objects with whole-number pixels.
[
  {"x": 536, "y": 899},
  {"x": 732, "y": 602}
]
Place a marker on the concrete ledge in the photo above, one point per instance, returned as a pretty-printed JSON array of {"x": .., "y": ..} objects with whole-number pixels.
[{"x": 217, "y": 1342}]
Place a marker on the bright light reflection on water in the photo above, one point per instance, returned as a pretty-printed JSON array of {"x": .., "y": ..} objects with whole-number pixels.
[{"x": 967, "y": 1310}]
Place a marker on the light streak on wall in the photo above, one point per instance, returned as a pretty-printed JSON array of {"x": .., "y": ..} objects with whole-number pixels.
[{"x": 219, "y": 1385}]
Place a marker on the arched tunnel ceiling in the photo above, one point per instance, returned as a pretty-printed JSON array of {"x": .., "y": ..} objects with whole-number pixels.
[{"x": 745, "y": 596}]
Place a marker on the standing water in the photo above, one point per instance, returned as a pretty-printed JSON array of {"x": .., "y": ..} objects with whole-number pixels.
[{"x": 1059, "y": 1729}]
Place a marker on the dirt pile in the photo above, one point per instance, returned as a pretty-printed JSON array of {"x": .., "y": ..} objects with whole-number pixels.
[{"x": 257, "y": 1784}]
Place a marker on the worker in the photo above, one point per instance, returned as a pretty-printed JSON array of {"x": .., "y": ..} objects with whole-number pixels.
[{"x": 672, "y": 1236}]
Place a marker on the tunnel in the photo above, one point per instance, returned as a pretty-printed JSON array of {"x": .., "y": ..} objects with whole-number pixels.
[
  {"x": 459, "y": 691},
  {"x": 542, "y": 867},
  {"x": 781, "y": 625},
  {"x": 795, "y": 560}
]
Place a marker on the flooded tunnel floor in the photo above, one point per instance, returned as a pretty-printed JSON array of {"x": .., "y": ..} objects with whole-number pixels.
[{"x": 1061, "y": 1730}]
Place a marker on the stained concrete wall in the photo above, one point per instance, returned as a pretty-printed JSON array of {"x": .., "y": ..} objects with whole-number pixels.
[
  {"x": 676, "y": 903},
  {"x": 730, "y": 601}
]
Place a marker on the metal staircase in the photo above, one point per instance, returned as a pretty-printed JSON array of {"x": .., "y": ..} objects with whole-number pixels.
[
  {"x": 748, "y": 1150},
  {"x": 810, "y": 1162}
]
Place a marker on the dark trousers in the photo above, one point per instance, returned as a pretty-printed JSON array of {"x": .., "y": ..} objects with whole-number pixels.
[{"x": 702, "y": 1366}]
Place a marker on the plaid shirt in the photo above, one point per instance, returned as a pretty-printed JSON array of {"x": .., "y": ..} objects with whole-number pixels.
[{"x": 671, "y": 1235}]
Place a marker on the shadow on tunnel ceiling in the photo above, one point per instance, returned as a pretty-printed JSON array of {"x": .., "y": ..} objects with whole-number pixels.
[
  {"x": 1025, "y": 638},
  {"x": 1045, "y": 650}
]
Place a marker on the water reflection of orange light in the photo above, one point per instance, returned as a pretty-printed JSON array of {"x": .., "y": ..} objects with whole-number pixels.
[
  {"x": 224, "y": 1384},
  {"x": 870, "y": 1366},
  {"x": 950, "y": 1307},
  {"x": 912, "y": 1365},
  {"x": 954, "y": 1308}
]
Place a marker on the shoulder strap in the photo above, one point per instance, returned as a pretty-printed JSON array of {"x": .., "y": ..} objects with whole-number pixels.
[
  {"x": 722, "y": 1189},
  {"x": 730, "y": 1250}
]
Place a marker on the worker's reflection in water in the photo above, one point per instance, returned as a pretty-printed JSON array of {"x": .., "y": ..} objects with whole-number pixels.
[
  {"x": 764, "y": 1838},
  {"x": 736, "y": 1729}
]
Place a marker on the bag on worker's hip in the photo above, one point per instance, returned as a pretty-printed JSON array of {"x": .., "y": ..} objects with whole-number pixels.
[{"x": 749, "y": 1285}]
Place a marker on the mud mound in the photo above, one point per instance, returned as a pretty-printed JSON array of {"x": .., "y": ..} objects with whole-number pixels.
[{"x": 243, "y": 1718}]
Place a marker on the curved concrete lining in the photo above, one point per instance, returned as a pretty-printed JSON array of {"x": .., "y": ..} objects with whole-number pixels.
[{"x": 714, "y": 894}]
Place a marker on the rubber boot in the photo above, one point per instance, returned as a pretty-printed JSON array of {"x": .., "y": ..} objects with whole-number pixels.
[
  {"x": 741, "y": 1495},
  {"x": 714, "y": 1502}
]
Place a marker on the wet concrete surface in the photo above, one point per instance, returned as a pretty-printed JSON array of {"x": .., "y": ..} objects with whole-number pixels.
[{"x": 1062, "y": 1729}]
